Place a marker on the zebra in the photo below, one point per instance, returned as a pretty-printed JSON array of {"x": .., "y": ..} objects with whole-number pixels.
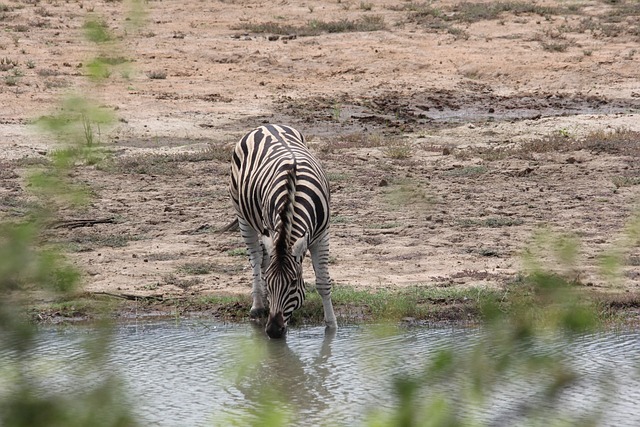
[{"x": 281, "y": 197}]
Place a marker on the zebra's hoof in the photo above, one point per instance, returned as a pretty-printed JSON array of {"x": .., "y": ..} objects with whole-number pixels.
[{"x": 258, "y": 313}]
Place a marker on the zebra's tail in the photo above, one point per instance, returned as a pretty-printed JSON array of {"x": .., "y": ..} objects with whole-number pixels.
[{"x": 233, "y": 226}]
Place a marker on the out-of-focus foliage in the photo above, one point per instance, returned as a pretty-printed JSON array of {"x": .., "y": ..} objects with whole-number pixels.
[
  {"x": 545, "y": 304},
  {"x": 29, "y": 264}
]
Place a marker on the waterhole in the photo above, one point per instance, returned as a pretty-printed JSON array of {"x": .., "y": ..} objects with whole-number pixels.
[{"x": 195, "y": 373}]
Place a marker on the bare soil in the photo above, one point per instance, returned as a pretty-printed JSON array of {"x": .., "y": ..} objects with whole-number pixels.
[{"x": 451, "y": 140}]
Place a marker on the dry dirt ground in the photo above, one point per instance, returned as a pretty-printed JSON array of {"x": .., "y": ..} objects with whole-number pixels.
[{"x": 454, "y": 135}]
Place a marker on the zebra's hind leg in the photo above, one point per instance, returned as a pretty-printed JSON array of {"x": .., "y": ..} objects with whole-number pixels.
[
  {"x": 255, "y": 249},
  {"x": 320, "y": 259}
]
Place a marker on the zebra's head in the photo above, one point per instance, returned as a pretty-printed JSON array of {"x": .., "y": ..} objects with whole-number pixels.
[{"x": 284, "y": 285}]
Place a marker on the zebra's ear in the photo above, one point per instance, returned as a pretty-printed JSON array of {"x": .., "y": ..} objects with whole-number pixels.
[{"x": 299, "y": 248}]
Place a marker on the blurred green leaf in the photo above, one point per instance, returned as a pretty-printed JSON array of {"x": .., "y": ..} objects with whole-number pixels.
[{"x": 96, "y": 31}]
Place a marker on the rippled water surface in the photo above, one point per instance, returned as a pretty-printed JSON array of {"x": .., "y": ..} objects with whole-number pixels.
[{"x": 193, "y": 373}]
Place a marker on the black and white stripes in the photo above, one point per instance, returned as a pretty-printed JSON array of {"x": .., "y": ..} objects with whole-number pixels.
[{"x": 281, "y": 196}]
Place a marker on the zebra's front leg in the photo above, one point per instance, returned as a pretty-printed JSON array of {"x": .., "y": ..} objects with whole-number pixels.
[
  {"x": 252, "y": 240},
  {"x": 320, "y": 259}
]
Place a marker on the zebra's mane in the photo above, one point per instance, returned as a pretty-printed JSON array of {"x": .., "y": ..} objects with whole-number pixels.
[{"x": 285, "y": 213}]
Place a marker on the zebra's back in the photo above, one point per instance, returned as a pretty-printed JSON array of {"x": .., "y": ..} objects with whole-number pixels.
[{"x": 270, "y": 164}]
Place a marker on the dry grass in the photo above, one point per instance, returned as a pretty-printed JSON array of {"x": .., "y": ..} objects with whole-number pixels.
[
  {"x": 492, "y": 222},
  {"x": 467, "y": 171},
  {"x": 621, "y": 18},
  {"x": 316, "y": 27},
  {"x": 625, "y": 181},
  {"x": 402, "y": 194},
  {"x": 352, "y": 141},
  {"x": 623, "y": 142},
  {"x": 157, "y": 75},
  {"x": 398, "y": 150},
  {"x": 82, "y": 242},
  {"x": 475, "y": 12},
  {"x": 165, "y": 164}
]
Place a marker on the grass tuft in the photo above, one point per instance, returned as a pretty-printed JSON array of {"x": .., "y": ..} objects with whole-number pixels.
[
  {"x": 399, "y": 150},
  {"x": 157, "y": 75}
]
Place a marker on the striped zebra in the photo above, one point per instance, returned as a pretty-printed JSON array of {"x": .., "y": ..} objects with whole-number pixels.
[{"x": 281, "y": 197}]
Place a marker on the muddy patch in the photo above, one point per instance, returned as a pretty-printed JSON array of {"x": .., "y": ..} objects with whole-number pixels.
[{"x": 396, "y": 111}]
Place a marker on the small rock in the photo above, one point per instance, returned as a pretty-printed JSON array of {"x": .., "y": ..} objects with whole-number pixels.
[
  {"x": 571, "y": 160},
  {"x": 446, "y": 151},
  {"x": 383, "y": 183}
]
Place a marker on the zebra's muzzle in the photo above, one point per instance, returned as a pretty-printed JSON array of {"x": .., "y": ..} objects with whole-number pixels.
[{"x": 276, "y": 326}]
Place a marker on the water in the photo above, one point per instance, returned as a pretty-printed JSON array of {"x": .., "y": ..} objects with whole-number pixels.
[{"x": 195, "y": 373}]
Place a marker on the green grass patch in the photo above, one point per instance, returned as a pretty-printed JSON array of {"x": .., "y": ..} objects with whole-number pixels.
[
  {"x": 238, "y": 252},
  {"x": 73, "y": 308},
  {"x": 419, "y": 303}
]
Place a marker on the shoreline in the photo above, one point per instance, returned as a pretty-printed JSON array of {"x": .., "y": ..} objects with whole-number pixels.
[{"x": 622, "y": 308}]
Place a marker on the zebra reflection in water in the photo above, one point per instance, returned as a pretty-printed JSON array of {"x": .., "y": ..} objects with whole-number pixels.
[
  {"x": 281, "y": 378},
  {"x": 281, "y": 197}
]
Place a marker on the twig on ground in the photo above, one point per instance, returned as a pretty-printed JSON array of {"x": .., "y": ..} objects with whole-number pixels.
[{"x": 77, "y": 223}]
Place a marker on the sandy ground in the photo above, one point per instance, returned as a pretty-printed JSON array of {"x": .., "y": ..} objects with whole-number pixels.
[{"x": 408, "y": 120}]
